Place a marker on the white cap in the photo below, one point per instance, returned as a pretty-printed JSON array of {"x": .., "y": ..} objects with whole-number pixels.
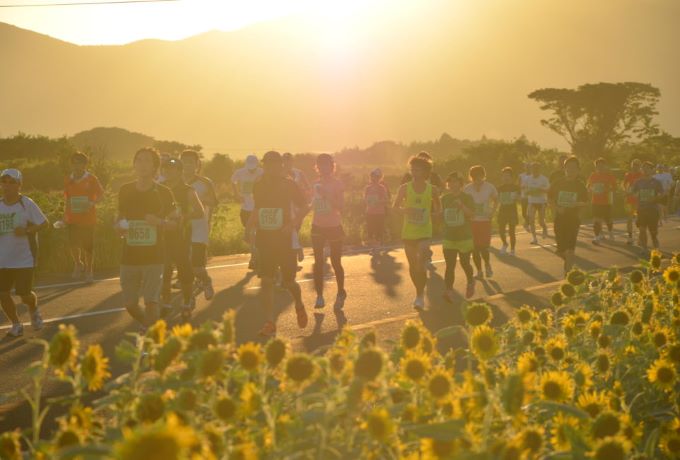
[
  {"x": 252, "y": 162},
  {"x": 13, "y": 173}
]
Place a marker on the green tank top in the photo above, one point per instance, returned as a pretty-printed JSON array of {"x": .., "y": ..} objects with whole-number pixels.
[{"x": 418, "y": 213}]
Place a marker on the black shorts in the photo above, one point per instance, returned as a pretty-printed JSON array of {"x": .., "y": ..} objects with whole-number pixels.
[
  {"x": 272, "y": 257},
  {"x": 507, "y": 218},
  {"x": 199, "y": 254},
  {"x": 21, "y": 279},
  {"x": 81, "y": 236},
  {"x": 602, "y": 211},
  {"x": 375, "y": 226},
  {"x": 245, "y": 216},
  {"x": 566, "y": 232},
  {"x": 323, "y": 235},
  {"x": 649, "y": 218}
]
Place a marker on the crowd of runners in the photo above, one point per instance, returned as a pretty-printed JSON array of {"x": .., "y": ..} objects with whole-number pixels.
[{"x": 164, "y": 221}]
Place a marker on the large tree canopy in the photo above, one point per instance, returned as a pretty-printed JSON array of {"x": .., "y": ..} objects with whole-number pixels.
[{"x": 596, "y": 118}]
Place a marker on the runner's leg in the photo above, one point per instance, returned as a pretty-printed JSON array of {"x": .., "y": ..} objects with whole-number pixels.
[
  {"x": 451, "y": 257},
  {"x": 318, "y": 244},
  {"x": 336, "y": 263}
]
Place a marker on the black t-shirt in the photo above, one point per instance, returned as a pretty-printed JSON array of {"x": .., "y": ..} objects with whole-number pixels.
[
  {"x": 508, "y": 194},
  {"x": 144, "y": 243},
  {"x": 275, "y": 197},
  {"x": 565, "y": 193},
  {"x": 181, "y": 194}
]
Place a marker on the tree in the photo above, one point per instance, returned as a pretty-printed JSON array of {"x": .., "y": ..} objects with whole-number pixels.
[
  {"x": 219, "y": 168},
  {"x": 596, "y": 118}
]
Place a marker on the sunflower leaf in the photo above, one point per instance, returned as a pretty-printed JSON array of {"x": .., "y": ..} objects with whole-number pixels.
[
  {"x": 449, "y": 331},
  {"x": 445, "y": 431},
  {"x": 553, "y": 406},
  {"x": 651, "y": 442}
]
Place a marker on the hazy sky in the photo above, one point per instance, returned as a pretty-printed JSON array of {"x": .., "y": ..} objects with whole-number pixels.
[{"x": 375, "y": 69}]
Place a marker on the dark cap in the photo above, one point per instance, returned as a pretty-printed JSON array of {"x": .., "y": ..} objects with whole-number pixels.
[{"x": 271, "y": 156}]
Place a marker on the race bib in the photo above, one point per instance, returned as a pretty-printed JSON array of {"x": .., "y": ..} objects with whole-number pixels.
[
  {"x": 79, "y": 204},
  {"x": 454, "y": 217},
  {"x": 141, "y": 233},
  {"x": 598, "y": 187},
  {"x": 417, "y": 216},
  {"x": 507, "y": 198},
  {"x": 566, "y": 199},
  {"x": 321, "y": 206},
  {"x": 247, "y": 187},
  {"x": 7, "y": 223},
  {"x": 270, "y": 218},
  {"x": 647, "y": 194}
]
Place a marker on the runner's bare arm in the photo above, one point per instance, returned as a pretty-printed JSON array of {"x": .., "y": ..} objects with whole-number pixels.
[
  {"x": 197, "y": 210},
  {"x": 399, "y": 200}
]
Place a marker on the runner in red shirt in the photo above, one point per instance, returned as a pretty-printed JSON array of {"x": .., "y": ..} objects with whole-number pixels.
[
  {"x": 631, "y": 199},
  {"x": 82, "y": 191},
  {"x": 601, "y": 185}
]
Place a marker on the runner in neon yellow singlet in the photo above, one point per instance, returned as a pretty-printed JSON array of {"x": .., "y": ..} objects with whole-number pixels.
[{"x": 416, "y": 200}]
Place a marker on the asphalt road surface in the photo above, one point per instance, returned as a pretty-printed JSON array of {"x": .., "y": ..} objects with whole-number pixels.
[{"x": 380, "y": 297}]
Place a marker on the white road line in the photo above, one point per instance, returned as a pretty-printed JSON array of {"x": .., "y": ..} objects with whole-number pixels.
[{"x": 69, "y": 317}]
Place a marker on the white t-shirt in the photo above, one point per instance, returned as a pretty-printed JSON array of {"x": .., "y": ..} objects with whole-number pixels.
[
  {"x": 15, "y": 251},
  {"x": 523, "y": 183},
  {"x": 245, "y": 178},
  {"x": 533, "y": 183},
  {"x": 200, "y": 228},
  {"x": 666, "y": 180},
  {"x": 482, "y": 199}
]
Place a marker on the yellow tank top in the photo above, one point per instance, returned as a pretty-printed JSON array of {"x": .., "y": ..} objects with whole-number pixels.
[{"x": 418, "y": 214}]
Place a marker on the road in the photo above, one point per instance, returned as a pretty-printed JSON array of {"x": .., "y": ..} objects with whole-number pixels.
[{"x": 379, "y": 297}]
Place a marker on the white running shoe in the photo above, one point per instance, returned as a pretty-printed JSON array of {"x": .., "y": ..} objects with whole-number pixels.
[
  {"x": 340, "y": 300},
  {"x": 36, "y": 321},
  {"x": 489, "y": 272},
  {"x": 17, "y": 330},
  {"x": 89, "y": 278},
  {"x": 534, "y": 241},
  {"x": 320, "y": 302},
  {"x": 78, "y": 270},
  {"x": 504, "y": 249},
  {"x": 419, "y": 302},
  {"x": 512, "y": 252}
]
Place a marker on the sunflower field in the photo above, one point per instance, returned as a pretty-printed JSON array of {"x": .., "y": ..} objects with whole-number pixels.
[{"x": 594, "y": 376}]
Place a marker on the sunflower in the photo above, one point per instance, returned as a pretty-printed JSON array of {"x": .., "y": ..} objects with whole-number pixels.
[
  {"x": 568, "y": 290},
  {"x": 556, "y": 386},
  {"x": 275, "y": 352},
  {"x": 670, "y": 444},
  {"x": 167, "y": 354},
  {"x": 94, "y": 367},
  {"x": 369, "y": 364},
  {"x": 484, "y": 343},
  {"x": 225, "y": 408},
  {"x": 595, "y": 329},
  {"x": 250, "y": 356},
  {"x": 150, "y": 407},
  {"x": 637, "y": 328},
  {"x": 636, "y": 277},
  {"x": 672, "y": 352},
  {"x": 10, "y": 445},
  {"x": 437, "y": 449},
  {"x": 513, "y": 394},
  {"x": 187, "y": 399},
  {"x": 531, "y": 439},
  {"x": 604, "y": 341},
  {"x": 525, "y": 315},
  {"x": 560, "y": 427},
  {"x": 182, "y": 330},
  {"x": 620, "y": 317},
  {"x": 655, "y": 259},
  {"x": 202, "y": 339},
  {"x": 583, "y": 376},
  {"x": 576, "y": 277},
  {"x": 661, "y": 336},
  {"x": 300, "y": 368},
  {"x": 439, "y": 385},
  {"x": 672, "y": 275},
  {"x": 556, "y": 348},
  {"x": 612, "y": 448},
  {"x": 603, "y": 362},
  {"x": 557, "y": 300},
  {"x": 414, "y": 366},
  {"x": 593, "y": 403},
  {"x": 165, "y": 441},
  {"x": 606, "y": 424},
  {"x": 662, "y": 373},
  {"x": 527, "y": 362},
  {"x": 63, "y": 348},
  {"x": 379, "y": 425},
  {"x": 210, "y": 363},
  {"x": 477, "y": 314},
  {"x": 410, "y": 335}
]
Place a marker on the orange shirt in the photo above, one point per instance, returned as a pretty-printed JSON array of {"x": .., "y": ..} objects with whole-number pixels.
[
  {"x": 629, "y": 181},
  {"x": 602, "y": 186},
  {"x": 77, "y": 192}
]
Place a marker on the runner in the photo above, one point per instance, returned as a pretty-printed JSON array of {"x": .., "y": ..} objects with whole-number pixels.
[
  {"x": 649, "y": 193},
  {"x": 417, "y": 200},
  {"x": 178, "y": 237},
  {"x": 508, "y": 195},
  {"x": 242, "y": 181},
  {"x": 20, "y": 220},
  {"x": 525, "y": 199},
  {"x": 537, "y": 186},
  {"x": 664, "y": 176},
  {"x": 458, "y": 209},
  {"x": 567, "y": 196},
  {"x": 559, "y": 172},
  {"x": 602, "y": 184},
  {"x": 82, "y": 191},
  {"x": 270, "y": 227},
  {"x": 143, "y": 210},
  {"x": 377, "y": 198},
  {"x": 301, "y": 180},
  {"x": 485, "y": 197},
  {"x": 200, "y": 228},
  {"x": 328, "y": 202},
  {"x": 632, "y": 176}
]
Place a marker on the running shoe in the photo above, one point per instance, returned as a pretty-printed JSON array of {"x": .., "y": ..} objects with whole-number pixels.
[
  {"x": 89, "y": 278},
  {"x": 512, "y": 252},
  {"x": 36, "y": 321},
  {"x": 301, "y": 315},
  {"x": 504, "y": 249},
  {"x": 208, "y": 290},
  {"x": 301, "y": 255},
  {"x": 78, "y": 270},
  {"x": 479, "y": 275},
  {"x": 545, "y": 233},
  {"x": 251, "y": 264},
  {"x": 17, "y": 330},
  {"x": 534, "y": 241},
  {"x": 489, "y": 272},
  {"x": 419, "y": 303},
  {"x": 340, "y": 300},
  {"x": 320, "y": 302},
  {"x": 470, "y": 290},
  {"x": 268, "y": 330},
  {"x": 596, "y": 241}
]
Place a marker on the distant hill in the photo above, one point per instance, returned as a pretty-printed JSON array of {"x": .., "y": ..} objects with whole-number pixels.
[{"x": 464, "y": 68}]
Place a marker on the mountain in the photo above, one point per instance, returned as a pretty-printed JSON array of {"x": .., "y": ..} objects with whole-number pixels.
[{"x": 459, "y": 67}]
